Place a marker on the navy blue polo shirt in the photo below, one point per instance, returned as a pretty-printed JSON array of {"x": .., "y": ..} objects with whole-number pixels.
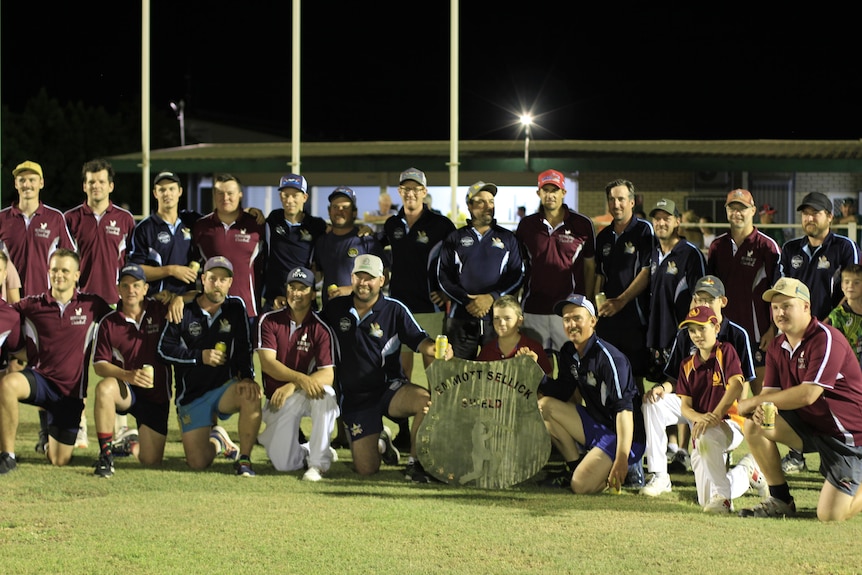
[
  {"x": 156, "y": 242},
  {"x": 672, "y": 276},
  {"x": 333, "y": 256},
  {"x": 290, "y": 246}
]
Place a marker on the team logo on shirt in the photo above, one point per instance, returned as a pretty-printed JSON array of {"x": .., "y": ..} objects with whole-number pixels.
[
  {"x": 187, "y": 234},
  {"x": 344, "y": 324},
  {"x": 303, "y": 344},
  {"x": 566, "y": 237},
  {"x": 716, "y": 379},
  {"x": 606, "y": 249},
  {"x": 280, "y": 230},
  {"x": 823, "y": 263},
  {"x": 748, "y": 259},
  {"x": 111, "y": 229},
  {"x": 42, "y": 231},
  {"x": 78, "y": 317},
  {"x": 375, "y": 331},
  {"x": 672, "y": 269},
  {"x": 466, "y": 241},
  {"x": 398, "y": 234},
  {"x": 224, "y": 326},
  {"x": 421, "y": 238},
  {"x": 591, "y": 379},
  {"x": 497, "y": 243},
  {"x": 352, "y": 252},
  {"x": 304, "y": 236},
  {"x": 242, "y": 237},
  {"x": 630, "y": 248},
  {"x": 195, "y": 329},
  {"x": 164, "y": 237},
  {"x": 800, "y": 361},
  {"x": 796, "y": 262},
  {"x": 151, "y": 327}
]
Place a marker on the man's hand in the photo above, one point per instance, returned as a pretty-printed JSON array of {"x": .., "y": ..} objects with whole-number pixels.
[
  {"x": 280, "y": 395},
  {"x": 480, "y": 304},
  {"x": 258, "y": 215}
]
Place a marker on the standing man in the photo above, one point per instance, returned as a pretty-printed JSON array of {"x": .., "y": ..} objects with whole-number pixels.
[
  {"x": 297, "y": 355},
  {"x": 214, "y": 383},
  {"x": 336, "y": 251},
  {"x": 479, "y": 262},
  {"x": 59, "y": 337},
  {"x": 162, "y": 242},
  {"x": 415, "y": 236},
  {"x": 559, "y": 247},
  {"x": 814, "y": 380},
  {"x": 816, "y": 259},
  {"x": 101, "y": 230},
  {"x": 126, "y": 341},
  {"x": 608, "y": 423},
  {"x": 371, "y": 380},
  {"x": 850, "y": 215},
  {"x": 291, "y": 234},
  {"x": 624, "y": 252}
]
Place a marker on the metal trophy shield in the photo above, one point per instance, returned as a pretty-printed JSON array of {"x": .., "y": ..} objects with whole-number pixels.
[{"x": 483, "y": 428}]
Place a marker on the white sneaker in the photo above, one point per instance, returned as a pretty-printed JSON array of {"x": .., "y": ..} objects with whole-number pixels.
[
  {"x": 718, "y": 504},
  {"x": 81, "y": 440},
  {"x": 313, "y": 474},
  {"x": 657, "y": 485},
  {"x": 333, "y": 453},
  {"x": 231, "y": 450},
  {"x": 756, "y": 480}
]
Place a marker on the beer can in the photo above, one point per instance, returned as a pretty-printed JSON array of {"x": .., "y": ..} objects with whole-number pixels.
[
  {"x": 601, "y": 298},
  {"x": 148, "y": 369},
  {"x": 440, "y": 346},
  {"x": 221, "y": 346},
  {"x": 768, "y": 415},
  {"x": 195, "y": 266}
]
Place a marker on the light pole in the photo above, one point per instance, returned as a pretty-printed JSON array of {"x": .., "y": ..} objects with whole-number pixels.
[
  {"x": 179, "y": 110},
  {"x": 526, "y": 121}
]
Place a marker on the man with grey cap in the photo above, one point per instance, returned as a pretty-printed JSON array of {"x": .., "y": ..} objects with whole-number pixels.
[
  {"x": 594, "y": 403},
  {"x": 297, "y": 356},
  {"x": 479, "y": 262},
  {"x": 814, "y": 381},
  {"x": 370, "y": 328},
  {"x": 816, "y": 259}
]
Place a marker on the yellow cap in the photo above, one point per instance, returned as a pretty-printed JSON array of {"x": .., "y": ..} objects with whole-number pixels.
[{"x": 28, "y": 166}]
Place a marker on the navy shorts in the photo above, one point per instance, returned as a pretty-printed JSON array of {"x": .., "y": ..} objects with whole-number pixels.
[
  {"x": 366, "y": 417},
  {"x": 597, "y": 435},
  {"x": 153, "y": 415},
  {"x": 64, "y": 413}
]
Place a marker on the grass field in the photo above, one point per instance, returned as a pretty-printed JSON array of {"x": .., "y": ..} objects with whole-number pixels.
[{"x": 173, "y": 520}]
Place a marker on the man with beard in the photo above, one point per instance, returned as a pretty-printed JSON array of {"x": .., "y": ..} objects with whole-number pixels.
[
  {"x": 479, "y": 262},
  {"x": 816, "y": 259},
  {"x": 370, "y": 377},
  {"x": 210, "y": 350}
]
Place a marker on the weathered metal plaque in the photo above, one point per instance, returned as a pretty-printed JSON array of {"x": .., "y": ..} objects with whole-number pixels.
[{"x": 483, "y": 428}]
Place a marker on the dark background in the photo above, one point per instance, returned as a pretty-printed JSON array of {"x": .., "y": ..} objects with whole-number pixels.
[{"x": 380, "y": 71}]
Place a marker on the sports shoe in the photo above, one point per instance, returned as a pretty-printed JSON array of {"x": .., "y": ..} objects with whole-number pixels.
[
  {"x": 81, "y": 441},
  {"x": 756, "y": 480},
  {"x": 390, "y": 455},
  {"x": 417, "y": 474},
  {"x": 793, "y": 462},
  {"x": 243, "y": 468},
  {"x": 313, "y": 474},
  {"x": 124, "y": 443},
  {"x": 635, "y": 476},
  {"x": 104, "y": 466},
  {"x": 718, "y": 504},
  {"x": 681, "y": 462},
  {"x": 657, "y": 485},
  {"x": 771, "y": 507},
  {"x": 561, "y": 480},
  {"x": 334, "y": 454},
  {"x": 229, "y": 448},
  {"x": 7, "y": 463},
  {"x": 42, "y": 444}
]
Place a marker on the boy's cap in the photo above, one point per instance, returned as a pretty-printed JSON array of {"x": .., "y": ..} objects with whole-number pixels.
[
  {"x": 302, "y": 275},
  {"x": 415, "y": 175},
  {"x": 343, "y": 191},
  {"x": 552, "y": 177},
  {"x": 817, "y": 201},
  {"x": 767, "y": 209},
  {"x": 133, "y": 270},
  {"x": 664, "y": 205},
  {"x": 741, "y": 196},
  {"x": 711, "y": 285},
  {"x": 370, "y": 264},
  {"x": 700, "y": 315},
  {"x": 170, "y": 176},
  {"x": 848, "y": 201},
  {"x": 790, "y": 287},
  {"x": 576, "y": 299},
  {"x": 219, "y": 262},
  {"x": 293, "y": 181},
  {"x": 480, "y": 187},
  {"x": 28, "y": 166}
]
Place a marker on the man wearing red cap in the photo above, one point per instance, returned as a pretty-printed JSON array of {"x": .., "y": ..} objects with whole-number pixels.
[
  {"x": 767, "y": 216},
  {"x": 559, "y": 247}
]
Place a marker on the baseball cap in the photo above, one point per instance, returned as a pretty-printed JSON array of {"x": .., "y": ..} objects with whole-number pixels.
[
  {"x": 28, "y": 165},
  {"x": 665, "y": 206},
  {"x": 711, "y": 285},
  {"x": 166, "y": 176},
  {"x": 849, "y": 201},
  {"x": 293, "y": 181},
  {"x": 815, "y": 200},
  {"x": 219, "y": 262},
  {"x": 700, "y": 315},
  {"x": 370, "y": 264},
  {"x": 480, "y": 186},
  {"x": 576, "y": 299},
  {"x": 552, "y": 177},
  {"x": 741, "y": 196},
  {"x": 133, "y": 270},
  {"x": 343, "y": 191},
  {"x": 790, "y": 287},
  {"x": 302, "y": 275},
  {"x": 767, "y": 209},
  {"x": 413, "y": 174}
]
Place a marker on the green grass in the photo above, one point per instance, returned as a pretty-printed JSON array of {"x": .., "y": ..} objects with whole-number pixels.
[{"x": 173, "y": 520}]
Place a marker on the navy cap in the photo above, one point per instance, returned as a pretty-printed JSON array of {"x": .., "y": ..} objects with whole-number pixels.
[
  {"x": 133, "y": 270},
  {"x": 219, "y": 262},
  {"x": 293, "y": 181},
  {"x": 170, "y": 176},
  {"x": 302, "y": 275},
  {"x": 343, "y": 191},
  {"x": 576, "y": 299}
]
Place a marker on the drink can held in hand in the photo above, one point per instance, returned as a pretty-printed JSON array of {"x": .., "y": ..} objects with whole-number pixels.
[
  {"x": 148, "y": 369},
  {"x": 768, "y": 415},
  {"x": 440, "y": 346},
  {"x": 601, "y": 298},
  {"x": 195, "y": 266},
  {"x": 221, "y": 346}
]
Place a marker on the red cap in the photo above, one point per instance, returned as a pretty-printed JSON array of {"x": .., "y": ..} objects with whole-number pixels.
[
  {"x": 700, "y": 315},
  {"x": 741, "y": 196},
  {"x": 552, "y": 177},
  {"x": 767, "y": 209}
]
